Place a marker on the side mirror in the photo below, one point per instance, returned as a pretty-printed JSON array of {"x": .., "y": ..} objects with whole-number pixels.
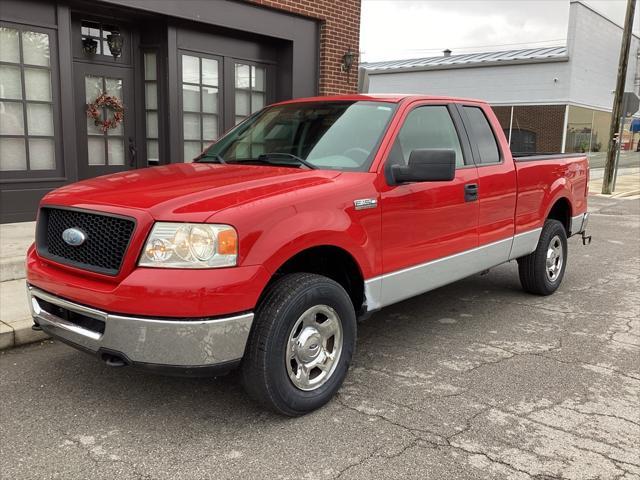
[{"x": 427, "y": 165}]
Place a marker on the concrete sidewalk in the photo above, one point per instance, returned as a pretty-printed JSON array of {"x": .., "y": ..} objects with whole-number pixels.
[
  {"x": 15, "y": 319},
  {"x": 627, "y": 183}
]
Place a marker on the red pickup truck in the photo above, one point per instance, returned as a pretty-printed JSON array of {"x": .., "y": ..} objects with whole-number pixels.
[{"x": 263, "y": 252}]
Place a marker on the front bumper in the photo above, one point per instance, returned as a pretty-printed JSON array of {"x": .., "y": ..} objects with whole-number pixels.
[{"x": 190, "y": 344}]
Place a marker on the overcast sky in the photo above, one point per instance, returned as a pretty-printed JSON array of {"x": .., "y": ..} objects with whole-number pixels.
[{"x": 397, "y": 29}]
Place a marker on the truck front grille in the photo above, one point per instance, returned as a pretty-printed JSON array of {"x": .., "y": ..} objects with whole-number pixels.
[{"x": 107, "y": 239}]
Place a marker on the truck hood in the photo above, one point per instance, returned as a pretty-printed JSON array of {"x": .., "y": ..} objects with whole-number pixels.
[{"x": 186, "y": 191}]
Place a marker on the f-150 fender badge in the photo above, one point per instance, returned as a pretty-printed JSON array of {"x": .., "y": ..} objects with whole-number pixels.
[{"x": 363, "y": 203}]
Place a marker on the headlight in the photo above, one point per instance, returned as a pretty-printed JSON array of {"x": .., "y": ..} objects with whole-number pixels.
[{"x": 190, "y": 245}]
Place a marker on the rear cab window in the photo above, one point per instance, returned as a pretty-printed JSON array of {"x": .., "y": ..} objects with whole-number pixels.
[{"x": 482, "y": 135}]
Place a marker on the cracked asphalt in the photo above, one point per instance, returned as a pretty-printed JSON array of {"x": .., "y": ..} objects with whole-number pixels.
[{"x": 474, "y": 380}]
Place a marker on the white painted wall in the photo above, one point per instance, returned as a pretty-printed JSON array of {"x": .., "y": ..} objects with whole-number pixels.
[
  {"x": 509, "y": 84},
  {"x": 594, "y": 48},
  {"x": 586, "y": 79}
]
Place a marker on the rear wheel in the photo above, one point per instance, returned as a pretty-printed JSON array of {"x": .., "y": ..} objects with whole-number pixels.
[
  {"x": 301, "y": 344},
  {"x": 542, "y": 271}
]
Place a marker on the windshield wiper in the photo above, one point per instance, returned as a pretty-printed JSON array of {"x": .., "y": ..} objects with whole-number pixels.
[
  {"x": 266, "y": 157},
  {"x": 205, "y": 157}
]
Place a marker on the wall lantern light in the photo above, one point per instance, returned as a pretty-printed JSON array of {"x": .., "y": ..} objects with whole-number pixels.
[
  {"x": 115, "y": 42},
  {"x": 89, "y": 46},
  {"x": 347, "y": 60}
]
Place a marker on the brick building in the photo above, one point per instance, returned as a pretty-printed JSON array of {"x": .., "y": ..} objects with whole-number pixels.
[
  {"x": 551, "y": 99},
  {"x": 185, "y": 72}
]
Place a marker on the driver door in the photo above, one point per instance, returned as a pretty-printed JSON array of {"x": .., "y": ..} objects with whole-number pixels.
[{"x": 426, "y": 222}]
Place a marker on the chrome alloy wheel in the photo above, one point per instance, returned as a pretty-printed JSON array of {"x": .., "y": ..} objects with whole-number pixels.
[
  {"x": 555, "y": 259},
  {"x": 314, "y": 347}
]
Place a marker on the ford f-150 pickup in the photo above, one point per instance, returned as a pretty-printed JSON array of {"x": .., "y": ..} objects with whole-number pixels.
[{"x": 265, "y": 250}]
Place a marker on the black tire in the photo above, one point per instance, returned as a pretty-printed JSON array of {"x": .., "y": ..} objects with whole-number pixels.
[
  {"x": 533, "y": 269},
  {"x": 264, "y": 370}
]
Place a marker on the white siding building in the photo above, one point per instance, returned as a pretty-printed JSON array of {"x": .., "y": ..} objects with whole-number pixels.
[{"x": 548, "y": 99}]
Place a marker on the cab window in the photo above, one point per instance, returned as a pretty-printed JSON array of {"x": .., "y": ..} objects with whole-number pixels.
[{"x": 428, "y": 126}]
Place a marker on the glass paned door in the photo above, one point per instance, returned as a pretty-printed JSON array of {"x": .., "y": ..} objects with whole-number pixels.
[
  {"x": 200, "y": 104},
  {"x": 104, "y": 150},
  {"x": 250, "y": 90}
]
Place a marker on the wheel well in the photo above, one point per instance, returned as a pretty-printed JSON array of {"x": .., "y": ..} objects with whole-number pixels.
[
  {"x": 561, "y": 211},
  {"x": 332, "y": 262}
]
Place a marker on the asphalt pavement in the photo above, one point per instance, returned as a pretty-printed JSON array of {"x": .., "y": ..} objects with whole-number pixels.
[{"x": 474, "y": 380}]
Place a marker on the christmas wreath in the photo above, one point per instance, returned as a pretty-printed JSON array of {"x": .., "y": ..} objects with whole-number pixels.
[{"x": 94, "y": 110}]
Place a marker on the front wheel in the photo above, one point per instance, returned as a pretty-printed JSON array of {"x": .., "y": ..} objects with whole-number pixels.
[
  {"x": 541, "y": 272},
  {"x": 301, "y": 344}
]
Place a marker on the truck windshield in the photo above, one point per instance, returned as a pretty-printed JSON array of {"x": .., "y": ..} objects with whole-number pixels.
[{"x": 342, "y": 135}]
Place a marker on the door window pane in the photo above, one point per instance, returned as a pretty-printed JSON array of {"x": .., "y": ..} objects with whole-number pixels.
[
  {"x": 9, "y": 45},
  {"x": 191, "y": 98},
  {"x": 152, "y": 151},
  {"x": 191, "y": 125},
  {"x": 190, "y": 69},
  {"x": 10, "y": 84},
  {"x": 243, "y": 76},
  {"x": 152, "y": 124},
  {"x": 114, "y": 87},
  {"x": 209, "y": 72},
  {"x": 40, "y": 119},
  {"x": 257, "y": 101},
  {"x": 37, "y": 84},
  {"x": 151, "y": 107},
  {"x": 115, "y": 149},
  {"x": 150, "y": 70},
  {"x": 35, "y": 48},
  {"x": 426, "y": 127},
  {"x": 92, "y": 87},
  {"x": 42, "y": 154},
  {"x": 257, "y": 80},
  {"x": 96, "y": 150},
  {"x": 250, "y": 96},
  {"x": 92, "y": 128},
  {"x": 13, "y": 155},
  {"x": 487, "y": 144},
  {"x": 25, "y": 75},
  {"x": 11, "y": 121},
  {"x": 151, "y": 96},
  {"x": 209, "y": 127},
  {"x": 242, "y": 103},
  {"x": 210, "y": 99},
  {"x": 191, "y": 151}
]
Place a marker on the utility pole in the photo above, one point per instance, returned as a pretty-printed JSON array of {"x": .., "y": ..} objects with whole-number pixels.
[{"x": 607, "y": 183}]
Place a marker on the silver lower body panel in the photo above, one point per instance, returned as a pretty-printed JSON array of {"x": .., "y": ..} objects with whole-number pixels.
[
  {"x": 146, "y": 341},
  {"x": 396, "y": 286}
]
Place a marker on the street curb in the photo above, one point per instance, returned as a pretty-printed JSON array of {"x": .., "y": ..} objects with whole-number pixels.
[
  {"x": 19, "y": 334},
  {"x": 12, "y": 268}
]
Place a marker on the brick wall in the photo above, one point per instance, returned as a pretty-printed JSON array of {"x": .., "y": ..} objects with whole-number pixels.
[
  {"x": 339, "y": 32},
  {"x": 546, "y": 121}
]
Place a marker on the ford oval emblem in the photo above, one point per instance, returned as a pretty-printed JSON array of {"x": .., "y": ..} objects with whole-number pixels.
[{"x": 74, "y": 237}]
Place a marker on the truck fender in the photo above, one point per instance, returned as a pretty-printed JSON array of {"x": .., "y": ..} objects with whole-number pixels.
[{"x": 289, "y": 237}]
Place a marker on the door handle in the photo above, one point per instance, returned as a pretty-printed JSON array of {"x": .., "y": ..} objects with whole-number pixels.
[
  {"x": 132, "y": 153},
  {"x": 470, "y": 192}
]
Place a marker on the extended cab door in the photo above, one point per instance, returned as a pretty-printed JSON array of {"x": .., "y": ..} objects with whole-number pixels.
[
  {"x": 424, "y": 222},
  {"x": 497, "y": 187}
]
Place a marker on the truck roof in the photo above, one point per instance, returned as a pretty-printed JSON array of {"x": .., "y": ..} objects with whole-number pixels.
[{"x": 379, "y": 97}]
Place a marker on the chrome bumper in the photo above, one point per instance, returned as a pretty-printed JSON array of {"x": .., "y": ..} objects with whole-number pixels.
[
  {"x": 144, "y": 341},
  {"x": 579, "y": 223}
]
